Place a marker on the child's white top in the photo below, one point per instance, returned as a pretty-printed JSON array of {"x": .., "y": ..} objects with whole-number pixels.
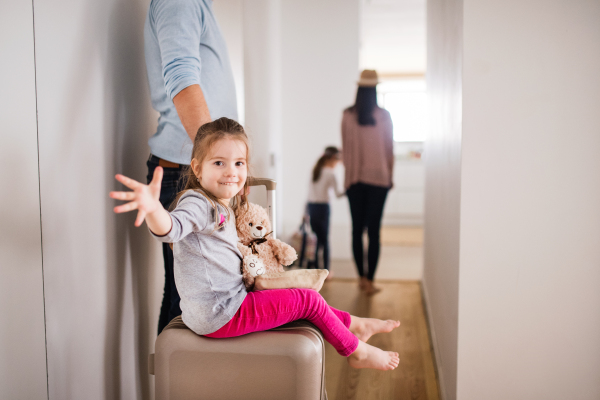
[
  {"x": 207, "y": 264},
  {"x": 318, "y": 192}
]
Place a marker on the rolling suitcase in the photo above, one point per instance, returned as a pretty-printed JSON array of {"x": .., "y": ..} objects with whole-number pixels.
[
  {"x": 304, "y": 241},
  {"x": 287, "y": 362}
]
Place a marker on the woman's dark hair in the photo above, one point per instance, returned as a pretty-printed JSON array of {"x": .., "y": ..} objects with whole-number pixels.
[
  {"x": 330, "y": 153},
  {"x": 366, "y": 102}
]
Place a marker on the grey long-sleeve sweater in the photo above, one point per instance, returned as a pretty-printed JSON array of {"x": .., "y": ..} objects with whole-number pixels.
[{"x": 207, "y": 264}]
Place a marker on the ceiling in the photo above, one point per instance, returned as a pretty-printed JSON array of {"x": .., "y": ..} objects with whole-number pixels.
[{"x": 393, "y": 36}]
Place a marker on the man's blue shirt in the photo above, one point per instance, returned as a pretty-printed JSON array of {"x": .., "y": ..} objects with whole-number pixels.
[{"x": 183, "y": 47}]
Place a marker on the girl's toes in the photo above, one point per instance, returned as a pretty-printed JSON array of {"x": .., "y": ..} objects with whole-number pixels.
[{"x": 392, "y": 324}]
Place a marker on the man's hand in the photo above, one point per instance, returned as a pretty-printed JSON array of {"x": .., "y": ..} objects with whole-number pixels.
[{"x": 192, "y": 109}]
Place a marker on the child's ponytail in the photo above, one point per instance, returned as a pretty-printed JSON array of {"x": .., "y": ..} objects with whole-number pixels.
[{"x": 330, "y": 153}]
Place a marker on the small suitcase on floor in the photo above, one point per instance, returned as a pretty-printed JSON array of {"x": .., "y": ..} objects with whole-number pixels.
[{"x": 285, "y": 363}]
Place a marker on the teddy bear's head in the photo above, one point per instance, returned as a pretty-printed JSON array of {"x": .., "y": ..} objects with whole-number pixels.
[{"x": 252, "y": 222}]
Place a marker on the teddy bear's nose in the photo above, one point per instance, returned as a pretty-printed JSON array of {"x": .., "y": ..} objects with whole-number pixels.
[{"x": 259, "y": 228}]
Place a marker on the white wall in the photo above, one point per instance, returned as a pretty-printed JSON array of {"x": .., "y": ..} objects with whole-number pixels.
[
  {"x": 442, "y": 158},
  {"x": 530, "y": 213},
  {"x": 320, "y": 69},
  {"x": 102, "y": 275},
  {"x": 22, "y": 334},
  {"x": 405, "y": 203},
  {"x": 230, "y": 16},
  {"x": 522, "y": 321},
  {"x": 262, "y": 71}
]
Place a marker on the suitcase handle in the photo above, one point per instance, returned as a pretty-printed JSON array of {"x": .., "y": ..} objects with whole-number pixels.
[{"x": 271, "y": 185}]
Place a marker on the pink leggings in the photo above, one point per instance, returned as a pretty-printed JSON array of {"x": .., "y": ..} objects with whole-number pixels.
[{"x": 272, "y": 308}]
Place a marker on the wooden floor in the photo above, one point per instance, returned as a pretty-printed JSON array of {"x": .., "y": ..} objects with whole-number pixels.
[
  {"x": 401, "y": 235},
  {"x": 415, "y": 376}
]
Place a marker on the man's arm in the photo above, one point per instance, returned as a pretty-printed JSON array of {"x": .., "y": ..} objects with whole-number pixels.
[
  {"x": 179, "y": 28},
  {"x": 192, "y": 109}
]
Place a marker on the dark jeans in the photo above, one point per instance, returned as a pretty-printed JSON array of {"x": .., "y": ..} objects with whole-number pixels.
[
  {"x": 319, "y": 223},
  {"x": 366, "y": 208},
  {"x": 171, "y": 185}
]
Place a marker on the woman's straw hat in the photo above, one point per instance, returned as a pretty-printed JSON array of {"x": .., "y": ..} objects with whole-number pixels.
[{"x": 368, "y": 78}]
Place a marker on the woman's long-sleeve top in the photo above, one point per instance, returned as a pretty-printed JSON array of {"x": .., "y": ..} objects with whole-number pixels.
[{"x": 368, "y": 150}]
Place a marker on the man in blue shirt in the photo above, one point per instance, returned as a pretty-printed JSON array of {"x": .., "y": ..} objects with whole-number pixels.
[{"x": 191, "y": 83}]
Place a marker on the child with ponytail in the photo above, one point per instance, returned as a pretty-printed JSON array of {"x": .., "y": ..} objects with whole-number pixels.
[{"x": 323, "y": 181}]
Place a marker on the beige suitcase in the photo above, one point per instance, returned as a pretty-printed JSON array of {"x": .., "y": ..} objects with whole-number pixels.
[{"x": 285, "y": 363}]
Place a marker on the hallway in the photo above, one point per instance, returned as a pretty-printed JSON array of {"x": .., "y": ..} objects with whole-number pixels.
[
  {"x": 415, "y": 377},
  {"x": 501, "y": 177}
]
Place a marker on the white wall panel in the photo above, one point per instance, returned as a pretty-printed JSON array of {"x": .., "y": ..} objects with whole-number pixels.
[
  {"x": 262, "y": 71},
  {"x": 101, "y": 274},
  {"x": 229, "y": 14},
  {"x": 442, "y": 158},
  {"x": 406, "y": 201},
  {"x": 22, "y": 335},
  {"x": 530, "y": 214}
]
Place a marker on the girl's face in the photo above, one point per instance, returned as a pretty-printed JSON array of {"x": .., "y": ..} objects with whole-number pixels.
[{"x": 223, "y": 172}]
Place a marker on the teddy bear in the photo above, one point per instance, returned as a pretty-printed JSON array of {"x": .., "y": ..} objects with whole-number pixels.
[{"x": 264, "y": 256}]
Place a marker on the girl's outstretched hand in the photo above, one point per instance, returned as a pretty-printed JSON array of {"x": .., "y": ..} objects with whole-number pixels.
[{"x": 144, "y": 198}]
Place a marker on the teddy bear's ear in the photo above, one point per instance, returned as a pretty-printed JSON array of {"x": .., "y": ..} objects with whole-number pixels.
[{"x": 243, "y": 219}]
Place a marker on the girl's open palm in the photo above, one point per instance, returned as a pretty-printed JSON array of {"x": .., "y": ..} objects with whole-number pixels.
[{"x": 144, "y": 198}]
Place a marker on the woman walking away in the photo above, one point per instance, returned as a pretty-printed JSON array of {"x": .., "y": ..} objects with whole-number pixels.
[
  {"x": 323, "y": 180},
  {"x": 214, "y": 301},
  {"x": 368, "y": 151}
]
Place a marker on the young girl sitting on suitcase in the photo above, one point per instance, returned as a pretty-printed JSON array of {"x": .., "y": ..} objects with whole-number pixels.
[{"x": 214, "y": 301}]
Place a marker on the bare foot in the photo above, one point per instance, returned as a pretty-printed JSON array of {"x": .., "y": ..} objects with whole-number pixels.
[
  {"x": 364, "y": 328},
  {"x": 362, "y": 283},
  {"x": 370, "y": 289},
  {"x": 367, "y": 356}
]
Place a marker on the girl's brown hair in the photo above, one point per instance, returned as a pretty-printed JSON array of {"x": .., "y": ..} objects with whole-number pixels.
[
  {"x": 331, "y": 153},
  {"x": 209, "y": 134}
]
